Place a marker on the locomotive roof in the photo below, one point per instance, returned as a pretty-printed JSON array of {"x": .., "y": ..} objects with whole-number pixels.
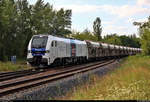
[
  {"x": 41, "y": 35},
  {"x": 117, "y": 47},
  {"x": 104, "y": 45},
  {"x": 96, "y": 44},
  {"x": 111, "y": 46},
  {"x": 67, "y": 40}
]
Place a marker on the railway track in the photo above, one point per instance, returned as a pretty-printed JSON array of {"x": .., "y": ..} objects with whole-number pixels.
[
  {"x": 12, "y": 75},
  {"x": 14, "y": 85},
  {"x": 15, "y": 74}
]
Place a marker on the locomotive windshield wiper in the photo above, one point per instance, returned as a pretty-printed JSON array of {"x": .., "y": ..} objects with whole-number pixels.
[
  {"x": 43, "y": 44},
  {"x": 39, "y": 46},
  {"x": 33, "y": 46}
]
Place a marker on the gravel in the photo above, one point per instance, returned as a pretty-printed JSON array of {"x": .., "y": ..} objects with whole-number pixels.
[{"x": 60, "y": 87}]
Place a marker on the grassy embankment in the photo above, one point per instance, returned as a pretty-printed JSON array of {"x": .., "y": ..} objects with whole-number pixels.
[
  {"x": 130, "y": 82},
  {"x": 8, "y": 66}
]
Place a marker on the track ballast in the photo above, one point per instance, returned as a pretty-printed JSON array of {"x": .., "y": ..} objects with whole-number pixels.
[{"x": 20, "y": 83}]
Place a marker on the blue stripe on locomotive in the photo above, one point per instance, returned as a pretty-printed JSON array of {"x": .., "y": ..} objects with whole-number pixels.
[{"x": 33, "y": 50}]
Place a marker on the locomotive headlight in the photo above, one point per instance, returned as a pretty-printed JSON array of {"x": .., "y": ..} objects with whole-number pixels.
[
  {"x": 29, "y": 51},
  {"x": 47, "y": 51}
]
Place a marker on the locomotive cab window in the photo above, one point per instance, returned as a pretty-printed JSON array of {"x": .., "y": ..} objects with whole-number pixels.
[
  {"x": 39, "y": 42},
  {"x": 52, "y": 43},
  {"x": 55, "y": 43}
]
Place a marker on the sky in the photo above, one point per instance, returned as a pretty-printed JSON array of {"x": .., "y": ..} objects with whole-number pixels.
[{"x": 117, "y": 16}]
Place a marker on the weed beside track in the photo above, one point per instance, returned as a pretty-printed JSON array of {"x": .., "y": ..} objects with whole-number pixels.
[
  {"x": 8, "y": 66},
  {"x": 129, "y": 82}
]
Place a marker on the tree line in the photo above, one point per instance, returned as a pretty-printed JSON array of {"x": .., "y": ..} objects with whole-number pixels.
[
  {"x": 123, "y": 40},
  {"x": 19, "y": 21},
  {"x": 144, "y": 32}
]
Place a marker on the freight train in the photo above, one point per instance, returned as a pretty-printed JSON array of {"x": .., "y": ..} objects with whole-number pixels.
[{"x": 48, "y": 49}]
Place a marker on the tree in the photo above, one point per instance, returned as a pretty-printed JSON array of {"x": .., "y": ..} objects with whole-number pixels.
[
  {"x": 47, "y": 20},
  {"x": 85, "y": 35},
  {"x": 62, "y": 22},
  {"x": 7, "y": 23},
  {"x": 24, "y": 32},
  {"x": 1, "y": 29},
  {"x": 19, "y": 21},
  {"x": 130, "y": 41},
  {"x": 112, "y": 39},
  {"x": 37, "y": 17},
  {"x": 97, "y": 28},
  {"x": 145, "y": 41},
  {"x": 144, "y": 32}
]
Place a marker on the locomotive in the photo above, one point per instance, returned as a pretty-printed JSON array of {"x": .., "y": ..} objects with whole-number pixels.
[{"x": 48, "y": 49}]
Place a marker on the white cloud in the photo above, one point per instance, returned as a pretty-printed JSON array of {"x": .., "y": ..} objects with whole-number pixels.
[
  {"x": 115, "y": 29},
  {"x": 131, "y": 20},
  {"x": 120, "y": 11},
  {"x": 107, "y": 23},
  {"x": 80, "y": 8},
  {"x": 129, "y": 12},
  {"x": 143, "y": 2},
  {"x": 125, "y": 10},
  {"x": 142, "y": 20}
]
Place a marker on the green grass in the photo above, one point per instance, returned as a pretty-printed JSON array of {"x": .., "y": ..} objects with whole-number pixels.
[
  {"x": 8, "y": 66},
  {"x": 130, "y": 82}
]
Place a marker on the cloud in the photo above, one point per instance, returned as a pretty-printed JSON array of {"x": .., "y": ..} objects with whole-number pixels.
[
  {"x": 115, "y": 29},
  {"x": 131, "y": 20},
  {"x": 125, "y": 10},
  {"x": 129, "y": 13},
  {"x": 120, "y": 11},
  {"x": 80, "y": 8},
  {"x": 143, "y": 2},
  {"x": 107, "y": 22}
]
